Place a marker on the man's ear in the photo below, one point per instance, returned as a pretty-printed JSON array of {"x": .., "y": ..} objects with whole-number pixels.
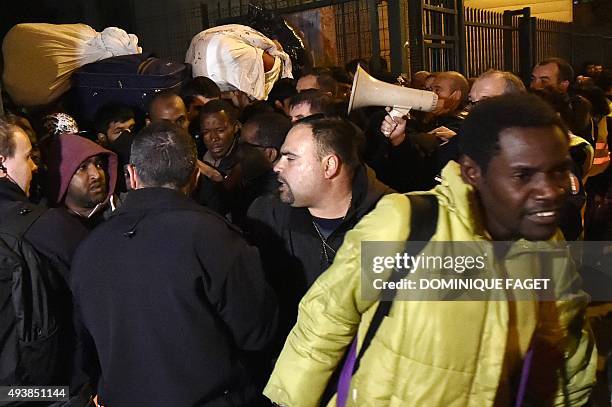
[
  {"x": 279, "y": 105},
  {"x": 134, "y": 180},
  {"x": 147, "y": 121},
  {"x": 456, "y": 95},
  {"x": 565, "y": 85},
  {"x": 271, "y": 154},
  {"x": 102, "y": 139},
  {"x": 471, "y": 172},
  {"x": 192, "y": 112},
  {"x": 331, "y": 166},
  {"x": 193, "y": 182}
]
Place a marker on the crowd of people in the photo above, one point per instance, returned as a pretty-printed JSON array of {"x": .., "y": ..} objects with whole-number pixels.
[{"x": 209, "y": 251}]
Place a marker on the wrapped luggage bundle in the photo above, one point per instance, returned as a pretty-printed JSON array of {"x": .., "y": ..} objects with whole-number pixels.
[
  {"x": 39, "y": 58},
  {"x": 232, "y": 55}
]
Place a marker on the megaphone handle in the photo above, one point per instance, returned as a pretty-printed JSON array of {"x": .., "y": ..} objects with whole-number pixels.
[{"x": 399, "y": 112}]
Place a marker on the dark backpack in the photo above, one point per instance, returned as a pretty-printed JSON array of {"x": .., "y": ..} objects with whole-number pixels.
[{"x": 29, "y": 327}]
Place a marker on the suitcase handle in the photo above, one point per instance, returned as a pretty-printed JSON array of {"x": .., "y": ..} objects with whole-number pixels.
[{"x": 145, "y": 64}]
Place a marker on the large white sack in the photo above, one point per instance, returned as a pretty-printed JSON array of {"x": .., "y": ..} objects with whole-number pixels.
[
  {"x": 39, "y": 58},
  {"x": 231, "y": 55}
]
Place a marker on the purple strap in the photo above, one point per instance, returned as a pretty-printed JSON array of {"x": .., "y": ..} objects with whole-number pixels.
[
  {"x": 524, "y": 378},
  {"x": 346, "y": 374}
]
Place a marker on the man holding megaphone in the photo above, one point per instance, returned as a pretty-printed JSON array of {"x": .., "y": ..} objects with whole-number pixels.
[
  {"x": 412, "y": 164},
  {"x": 432, "y": 138}
]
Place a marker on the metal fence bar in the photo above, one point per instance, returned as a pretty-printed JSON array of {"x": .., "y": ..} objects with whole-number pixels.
[
  {"x": 459, "y": 20},
  {"x": 374, "y": 30},
  {"x": 358, "y": 27},
  {"x": 1, "y": 105},
  {"x": 480, "y": 40},
  {"x": 416, "y": 32},
  {"x": 527, "y": 46}
]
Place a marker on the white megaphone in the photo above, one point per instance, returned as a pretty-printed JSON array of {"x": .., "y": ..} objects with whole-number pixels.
[{"x": 368, "y": 91}]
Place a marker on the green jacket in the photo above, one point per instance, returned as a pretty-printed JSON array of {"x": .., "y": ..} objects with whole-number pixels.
[{"x": 426, "y": 353}]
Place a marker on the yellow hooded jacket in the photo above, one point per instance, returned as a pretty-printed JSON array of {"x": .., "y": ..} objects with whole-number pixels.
[{"x": 426, "y": 353}]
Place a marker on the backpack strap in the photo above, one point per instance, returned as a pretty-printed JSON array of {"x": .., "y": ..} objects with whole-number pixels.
[{"x": 423, "y": 223}]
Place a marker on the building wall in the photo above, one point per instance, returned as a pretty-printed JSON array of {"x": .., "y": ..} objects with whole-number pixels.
[
  {"x": 165, "y": 27},
  {"x": 559, "y": 10}
]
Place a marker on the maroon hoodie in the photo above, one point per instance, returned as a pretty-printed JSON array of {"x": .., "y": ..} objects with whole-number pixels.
[{"x": 64, "y": 155}]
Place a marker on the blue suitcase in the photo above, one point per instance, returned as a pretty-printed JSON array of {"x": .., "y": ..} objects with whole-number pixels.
[{"x": 127, "y": 79}]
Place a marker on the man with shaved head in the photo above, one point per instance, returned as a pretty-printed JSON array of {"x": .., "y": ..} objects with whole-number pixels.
[
  {"x": 452, "y": 88},
  {"x": 170, "y": 107},
  {"x": 495, "y": 83},
  {"x": 416, "y": 155}
]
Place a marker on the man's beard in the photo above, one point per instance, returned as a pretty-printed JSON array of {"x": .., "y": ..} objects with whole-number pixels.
[
  {"x": 89, "y": 201},
  {"x": 285, "y": 193}
]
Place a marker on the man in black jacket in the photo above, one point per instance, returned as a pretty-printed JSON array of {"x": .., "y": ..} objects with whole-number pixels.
[
  {"x": 177, "y": 295},
  {"x": 261, "y": 138},
  {"x": 324, "y": 191},
  {"x": 557, "y": 76},
  {"x": 54, "y": 235}
]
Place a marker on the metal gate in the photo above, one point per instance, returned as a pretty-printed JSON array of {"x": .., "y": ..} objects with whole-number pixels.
[
  {"x": 446, "y": 36},
  {"x": 436, "y": 27}
]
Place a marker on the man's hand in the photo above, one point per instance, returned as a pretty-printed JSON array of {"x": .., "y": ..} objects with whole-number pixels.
[
  {"x": 209, "y": 172},
  {"x": 444, "y": 134},
  {"x": 394, "y": 128}
]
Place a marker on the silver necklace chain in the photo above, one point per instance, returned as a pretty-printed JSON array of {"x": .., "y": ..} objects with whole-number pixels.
[{"x": 326, "y": 245}]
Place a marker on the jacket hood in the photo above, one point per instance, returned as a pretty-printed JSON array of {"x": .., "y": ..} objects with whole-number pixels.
[
  {"x": 460, "y": 198},
  {"x": 367, "y": 190},
  {"x": 64, "y": 156}
]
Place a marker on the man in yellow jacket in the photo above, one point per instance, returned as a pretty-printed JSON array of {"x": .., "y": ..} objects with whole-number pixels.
[{"x": 510, "y": 184}]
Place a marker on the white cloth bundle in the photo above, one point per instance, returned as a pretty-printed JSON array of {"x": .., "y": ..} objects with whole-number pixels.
[
  {"x": 39, "y": 58},
  {"x": 111, "y": 42},
  {"x": 232, "y": 56}
]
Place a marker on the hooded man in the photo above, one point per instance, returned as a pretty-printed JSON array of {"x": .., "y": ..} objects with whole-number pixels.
[{"x": 81, "y": 177}]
